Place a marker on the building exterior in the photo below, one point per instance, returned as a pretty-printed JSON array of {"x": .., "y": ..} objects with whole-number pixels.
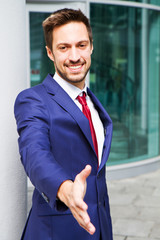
[
  {"x": 125, "y": 76},
  {"x": 125, "y": 73}
]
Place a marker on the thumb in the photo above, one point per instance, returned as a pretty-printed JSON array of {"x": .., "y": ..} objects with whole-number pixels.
[{"x": 82, "y": 176}]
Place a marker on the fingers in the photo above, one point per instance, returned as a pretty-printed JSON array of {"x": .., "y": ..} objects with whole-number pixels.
[
  {"x": 80, "y": 185},
  {"x": 79, "y": 207},
  {"x": 89, "y": 227},
  {"x": 82, "y": 176},
  {"x": 83, "y": 219},
  {"x": 80, "y": 204},
  {"x": 72, "y": 194}
]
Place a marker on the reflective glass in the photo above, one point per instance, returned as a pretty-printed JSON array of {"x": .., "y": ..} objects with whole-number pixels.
[
  {"x": 40, "y": 64},
  {"x": 154, "y": 2},
  {"x": 125, "y": 76}
]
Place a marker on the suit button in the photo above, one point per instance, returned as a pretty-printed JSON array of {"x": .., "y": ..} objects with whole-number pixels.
[{"x": 99, "y": 175}]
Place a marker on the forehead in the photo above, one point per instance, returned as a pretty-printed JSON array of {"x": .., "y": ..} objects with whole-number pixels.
[{"x": 70, "y": 33}]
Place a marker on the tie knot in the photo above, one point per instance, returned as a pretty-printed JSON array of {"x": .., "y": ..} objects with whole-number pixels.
[{"x": 82, "y": 99}]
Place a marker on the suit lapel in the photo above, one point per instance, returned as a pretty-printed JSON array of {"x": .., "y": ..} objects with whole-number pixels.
[
  {"x": 107, "y": 145},
  {"x": 107, "y": 123},
  {"x": 63, "y": 99}
]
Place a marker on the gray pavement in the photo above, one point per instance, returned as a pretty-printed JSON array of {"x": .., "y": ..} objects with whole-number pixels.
[{"x": 135, "y": 207}]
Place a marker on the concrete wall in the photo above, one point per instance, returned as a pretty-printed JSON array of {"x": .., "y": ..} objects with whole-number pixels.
[{"x": 12, "y": 80}]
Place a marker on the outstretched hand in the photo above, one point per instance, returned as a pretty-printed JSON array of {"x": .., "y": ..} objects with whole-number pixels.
[{"x": 72, "y": 194}]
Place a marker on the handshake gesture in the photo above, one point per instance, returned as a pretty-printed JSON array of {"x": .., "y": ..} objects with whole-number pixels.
[{"x": 72, "y": 194}]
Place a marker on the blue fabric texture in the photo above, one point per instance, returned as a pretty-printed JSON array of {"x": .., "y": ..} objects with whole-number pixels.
[{"x": 55, "y": 144}]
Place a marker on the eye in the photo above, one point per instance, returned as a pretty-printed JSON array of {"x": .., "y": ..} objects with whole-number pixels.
[
  {"x": 82, "y": 45},
  {"x": 62, "y": 48}
]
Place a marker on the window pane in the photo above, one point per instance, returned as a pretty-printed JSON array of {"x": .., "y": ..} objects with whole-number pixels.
[
  {"x": 40, "y": 65},
  {"x": 125, "y": 77},
  {"x": 154, "y": 2}
]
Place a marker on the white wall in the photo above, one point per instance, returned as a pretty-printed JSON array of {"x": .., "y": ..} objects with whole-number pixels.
[{"x": 12, "y": 80}]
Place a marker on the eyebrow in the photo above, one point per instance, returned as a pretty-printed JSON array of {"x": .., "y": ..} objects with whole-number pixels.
[{"x": 64, "y": 43}]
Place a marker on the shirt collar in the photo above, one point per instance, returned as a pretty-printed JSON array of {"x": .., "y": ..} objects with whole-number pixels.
[{"x": 72, "y": 90}]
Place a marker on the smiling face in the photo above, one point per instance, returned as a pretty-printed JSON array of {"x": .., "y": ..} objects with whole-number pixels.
[{"x": 71, "y": 52}]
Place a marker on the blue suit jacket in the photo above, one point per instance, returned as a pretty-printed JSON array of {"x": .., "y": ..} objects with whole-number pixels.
[{"x": 55, "y": 145}]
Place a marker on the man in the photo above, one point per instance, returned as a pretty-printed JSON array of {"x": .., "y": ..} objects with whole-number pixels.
[{"x": 65, "y": 138}]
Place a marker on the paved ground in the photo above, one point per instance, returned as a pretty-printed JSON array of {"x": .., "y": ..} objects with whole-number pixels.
[{"x": 135, "y": 207}]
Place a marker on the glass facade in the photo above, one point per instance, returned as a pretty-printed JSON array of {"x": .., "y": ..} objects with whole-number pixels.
[
  {"x": 154, "y": 2},
  {"x": 124, "y": 75},
  {"x": 40, "y": 64}
]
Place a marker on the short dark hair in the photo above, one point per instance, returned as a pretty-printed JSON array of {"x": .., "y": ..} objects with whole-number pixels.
[{"x": 61, "y": 17}]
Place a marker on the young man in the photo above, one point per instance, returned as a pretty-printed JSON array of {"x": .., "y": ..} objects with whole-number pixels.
[{"x": 65, "y": 138}]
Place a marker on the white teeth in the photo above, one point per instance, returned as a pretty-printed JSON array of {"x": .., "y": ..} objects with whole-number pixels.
[{"x": 75, "y": 67}]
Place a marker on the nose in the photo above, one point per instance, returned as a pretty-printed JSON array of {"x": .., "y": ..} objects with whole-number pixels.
[{"x": 74, "y": 55}]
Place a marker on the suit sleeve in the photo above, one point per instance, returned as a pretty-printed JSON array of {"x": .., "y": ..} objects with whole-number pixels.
[{"x": 34, "y": 145}]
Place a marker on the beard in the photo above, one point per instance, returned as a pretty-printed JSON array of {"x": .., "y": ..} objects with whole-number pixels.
[{"x": 73, "y": 78}]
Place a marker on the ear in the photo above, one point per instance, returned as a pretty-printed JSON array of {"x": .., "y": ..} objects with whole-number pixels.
[
  {"x": 49, "y": 53},
  {"x": 91, "y": 48}
]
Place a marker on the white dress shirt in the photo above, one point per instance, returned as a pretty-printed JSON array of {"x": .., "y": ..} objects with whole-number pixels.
[{"x": 74, "y": 92}]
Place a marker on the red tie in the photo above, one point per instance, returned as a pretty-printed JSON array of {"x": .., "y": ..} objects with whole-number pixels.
[{"x": 87, "y": 113}]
